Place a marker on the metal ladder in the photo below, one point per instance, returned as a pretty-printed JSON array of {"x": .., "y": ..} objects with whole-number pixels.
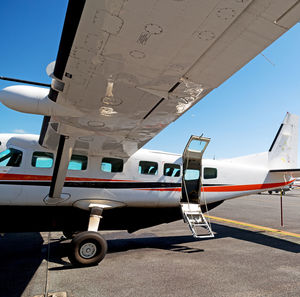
[{"x": 193, "y": 216}]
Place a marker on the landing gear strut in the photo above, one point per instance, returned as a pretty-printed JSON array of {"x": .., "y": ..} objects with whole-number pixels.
[{"x": 89, "y": 248}]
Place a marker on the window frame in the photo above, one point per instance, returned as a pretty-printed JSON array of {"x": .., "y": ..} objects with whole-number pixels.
[
  {"x": 216, "y": 173},
  {"x": 173, "y": 164},
  {"x": 154, "y": 162},
  {"x": 42, "y": 152},
  {"x": 86, "y": 164},
  {"x": 189, "y": 172},
  {"x": 111, "y": 172}
]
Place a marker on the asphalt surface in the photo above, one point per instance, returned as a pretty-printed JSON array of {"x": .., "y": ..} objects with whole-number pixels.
[{"x": 165, "y": 260}]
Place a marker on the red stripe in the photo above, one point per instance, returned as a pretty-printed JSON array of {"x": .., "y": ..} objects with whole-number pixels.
[
  {"x": 8, "y": 176},
  {"x": 235, "y": 188},
  {"x": 241, "y": 188}
]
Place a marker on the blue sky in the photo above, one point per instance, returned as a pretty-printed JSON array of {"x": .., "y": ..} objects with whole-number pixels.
[{"x": 241, "y": 116}]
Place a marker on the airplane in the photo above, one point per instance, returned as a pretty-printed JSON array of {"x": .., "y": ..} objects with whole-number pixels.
[{"x": 124, "y": 71}]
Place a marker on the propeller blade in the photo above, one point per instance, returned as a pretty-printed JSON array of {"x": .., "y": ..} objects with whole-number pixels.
[{"x": 25, "y": 81}]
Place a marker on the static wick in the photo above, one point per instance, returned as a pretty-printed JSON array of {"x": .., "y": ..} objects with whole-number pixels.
[{"x": 268, "y": 59}]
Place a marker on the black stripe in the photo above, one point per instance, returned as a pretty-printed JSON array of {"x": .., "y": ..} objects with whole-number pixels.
[
  {"x": 73, "y": 16},
  {"x": 57, "y": 163},
  {"x": 100, "y": 185},
  {"x": 276, "y": 137},
  {"x": 107, "y": 185}
]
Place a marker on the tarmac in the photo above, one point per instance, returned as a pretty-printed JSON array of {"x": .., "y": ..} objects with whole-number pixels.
[{"x": 251, "y": 255}]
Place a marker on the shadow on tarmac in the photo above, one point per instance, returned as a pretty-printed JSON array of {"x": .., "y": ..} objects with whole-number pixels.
[
  {"x": 173, "y": 242},
  {"x": 21, "y": 254},
  {"x": 179, "y": 243},
  {"x": 255, "y": 237}
]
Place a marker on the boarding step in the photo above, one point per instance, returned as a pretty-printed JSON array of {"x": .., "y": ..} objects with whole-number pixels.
[{"x": 193, "y": 216}]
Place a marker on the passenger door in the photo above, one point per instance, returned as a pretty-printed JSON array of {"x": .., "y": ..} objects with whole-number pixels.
[{"x": 192, "y": 163}]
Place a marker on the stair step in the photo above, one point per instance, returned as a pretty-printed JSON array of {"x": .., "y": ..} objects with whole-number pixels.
[{"x": 193, "y": 216}]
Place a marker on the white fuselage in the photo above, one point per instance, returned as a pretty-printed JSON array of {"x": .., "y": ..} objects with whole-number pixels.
[{"x": 29, "y": 186}]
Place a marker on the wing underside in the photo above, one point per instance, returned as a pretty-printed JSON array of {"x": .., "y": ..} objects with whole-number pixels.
[{"x": 127, "y": 69}]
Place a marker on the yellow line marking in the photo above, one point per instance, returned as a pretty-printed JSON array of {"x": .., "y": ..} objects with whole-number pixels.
[{"x": 254, "y": 226}]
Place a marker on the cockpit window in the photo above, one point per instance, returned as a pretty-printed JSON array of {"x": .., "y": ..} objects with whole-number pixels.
[
  {"x": 11, "y": 157},
  {"x": 42, "y": 160},
  {"x": 172, "y": 170},
  {"x": 146, "y": 167}
]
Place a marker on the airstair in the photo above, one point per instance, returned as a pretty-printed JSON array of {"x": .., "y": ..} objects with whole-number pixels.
[
  {"x": 194, "y": 217},
  {"x": 192, "y": 188}
]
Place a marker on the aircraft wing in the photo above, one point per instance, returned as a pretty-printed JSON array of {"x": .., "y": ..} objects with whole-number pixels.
[{"x": 127, "y": 69}]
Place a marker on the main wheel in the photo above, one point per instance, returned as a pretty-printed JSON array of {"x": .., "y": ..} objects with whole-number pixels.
[
  {"x": 87, "y": 249},
  {"x": 270, "y": 192}
]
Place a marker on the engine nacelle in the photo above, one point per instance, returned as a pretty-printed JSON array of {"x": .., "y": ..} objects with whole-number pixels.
[{"x": 34, "y": 100}]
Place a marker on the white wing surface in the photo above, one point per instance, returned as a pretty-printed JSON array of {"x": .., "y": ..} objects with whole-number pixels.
[{"x": 128, "y": 68}]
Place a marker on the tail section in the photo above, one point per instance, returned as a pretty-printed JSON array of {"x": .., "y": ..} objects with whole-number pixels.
[{"x": 283, "y": 153}]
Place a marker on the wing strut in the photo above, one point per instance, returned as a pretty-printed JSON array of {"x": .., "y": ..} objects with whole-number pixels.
[{"x": 63, "y": 157}]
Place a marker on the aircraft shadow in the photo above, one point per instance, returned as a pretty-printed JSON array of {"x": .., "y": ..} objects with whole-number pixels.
[
  {"x": 179, "y": 243},
  {"x": 170, "y": 243},
  {"x": 255, "y": 237},
  {"x": 174, "y": 243},
  {"x": 21, "y": 254}
]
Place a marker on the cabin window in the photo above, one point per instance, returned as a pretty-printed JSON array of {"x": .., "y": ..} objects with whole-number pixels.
[
  {"x": 192, "y": 174},
  {"x": 42, "y": 160},
  {"x": 11, "y": 157},
  {"x": 78, "y": 162},
  {"x": 112, "y": 165},
  {"x": 172, "y": 170},
  {"x": 146, "y": 167},
  {"x": 210, "y": 173}
]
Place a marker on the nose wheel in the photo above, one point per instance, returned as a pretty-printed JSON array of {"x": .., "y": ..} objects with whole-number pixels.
[{"x": 87, "y": 249}]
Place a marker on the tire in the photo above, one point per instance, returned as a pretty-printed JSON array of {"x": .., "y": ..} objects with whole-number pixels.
[
  {"x": 87, "y": 249},
  {"x": 270, "y": 192}
]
